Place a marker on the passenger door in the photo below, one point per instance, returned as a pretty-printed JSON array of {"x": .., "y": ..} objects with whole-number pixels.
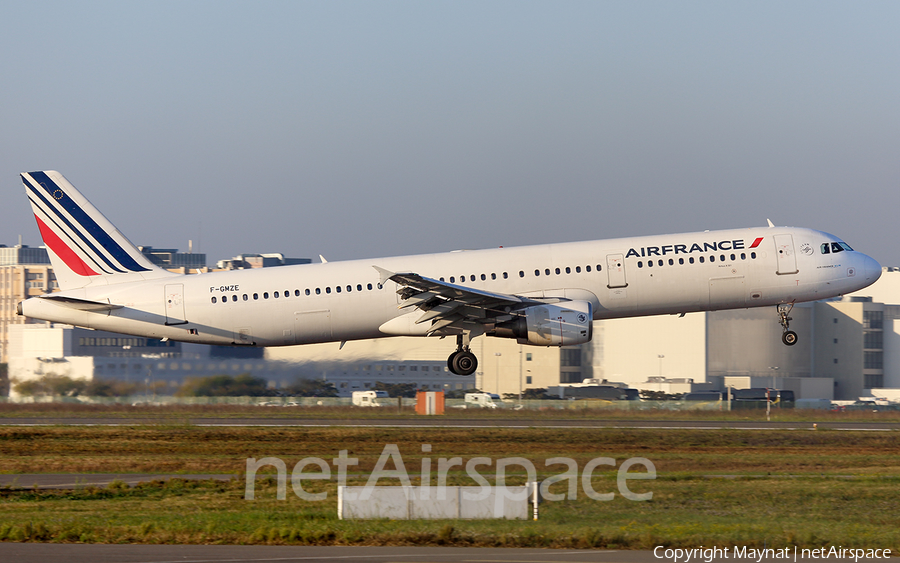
[
  {"x": 615, "y": 271},
  {"x": 174, "y": 302},
  {"x": 784, "y": 253}
]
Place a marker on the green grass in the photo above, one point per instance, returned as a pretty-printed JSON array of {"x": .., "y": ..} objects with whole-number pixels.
[
  {"x": 807, "y": 512},
  {"x": 714, "y": 487}
]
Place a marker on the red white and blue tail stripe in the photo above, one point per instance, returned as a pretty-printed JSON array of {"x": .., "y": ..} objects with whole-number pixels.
[{"x": 84, "y": 247}]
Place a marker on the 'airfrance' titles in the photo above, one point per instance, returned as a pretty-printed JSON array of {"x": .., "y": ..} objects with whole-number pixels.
[{"x": 684, "y": 249}]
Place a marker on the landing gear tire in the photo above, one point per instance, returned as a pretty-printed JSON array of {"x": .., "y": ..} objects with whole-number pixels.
[
  {"x": 789, "y": 338},
  {"x": 463, "y": 362},
  {"x": 450, "y": 362}
]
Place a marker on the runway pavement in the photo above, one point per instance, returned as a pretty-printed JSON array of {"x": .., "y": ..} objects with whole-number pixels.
[
  {"x": 79, "y": 480},
  {"x": 441, "y": 422}
]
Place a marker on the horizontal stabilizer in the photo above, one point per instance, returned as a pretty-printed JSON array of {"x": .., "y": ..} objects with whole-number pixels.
[{"x": 80, "y": 304}]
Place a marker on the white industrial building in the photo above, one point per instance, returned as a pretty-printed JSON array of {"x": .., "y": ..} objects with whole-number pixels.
[{"x": 847, "y": 348}]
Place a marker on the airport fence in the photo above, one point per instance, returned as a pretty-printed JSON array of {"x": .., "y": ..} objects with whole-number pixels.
[{"x": 313, "y": 402}]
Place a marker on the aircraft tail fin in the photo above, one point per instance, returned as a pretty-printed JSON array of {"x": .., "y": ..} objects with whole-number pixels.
[{"x": 84, "y": 247}]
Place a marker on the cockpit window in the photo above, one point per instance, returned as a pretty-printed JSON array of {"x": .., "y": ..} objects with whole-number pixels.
[{"x": 835, "y": 247}]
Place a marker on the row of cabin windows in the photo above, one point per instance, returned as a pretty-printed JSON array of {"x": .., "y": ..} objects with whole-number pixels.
[
  {"x": 287, "y": 292},
  {"x": 537, "y": 273},
  {"x": 701, "y": 259},
  {"x": 359, "y": 287}
]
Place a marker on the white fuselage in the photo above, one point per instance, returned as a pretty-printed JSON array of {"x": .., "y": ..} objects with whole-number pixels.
[{"x": 340, "y": 301}]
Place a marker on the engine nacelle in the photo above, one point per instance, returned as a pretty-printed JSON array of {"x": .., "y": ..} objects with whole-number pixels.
[{"x": 558, "y": 324}]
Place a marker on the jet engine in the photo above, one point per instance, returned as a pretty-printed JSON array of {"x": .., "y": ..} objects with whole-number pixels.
[{"x": 558, "y": 324}]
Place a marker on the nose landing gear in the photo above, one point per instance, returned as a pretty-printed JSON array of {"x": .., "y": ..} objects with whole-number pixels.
[
  {"x": 789, "y": 337},
  {"x": 463, "y": 361}
]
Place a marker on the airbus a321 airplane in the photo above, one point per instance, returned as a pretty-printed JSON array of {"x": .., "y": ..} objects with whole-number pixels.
[{"x": 540, "y": 295}]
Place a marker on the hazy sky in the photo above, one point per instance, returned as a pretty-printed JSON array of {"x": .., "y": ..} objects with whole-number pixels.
[{"x": 365, "y": 129}]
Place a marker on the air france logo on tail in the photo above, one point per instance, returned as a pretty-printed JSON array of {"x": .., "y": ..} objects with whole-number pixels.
[{"x": 72, "y": 233}]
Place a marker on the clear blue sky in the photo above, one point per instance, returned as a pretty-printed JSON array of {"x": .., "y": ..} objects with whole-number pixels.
[{"x": 368, "y": 129}]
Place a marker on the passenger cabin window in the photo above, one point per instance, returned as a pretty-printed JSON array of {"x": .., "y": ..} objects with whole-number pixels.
[{"x": 265, "y": 295}]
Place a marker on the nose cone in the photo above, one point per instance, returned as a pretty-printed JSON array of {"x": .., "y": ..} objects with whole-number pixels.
[{"x": 872, "y": 269}]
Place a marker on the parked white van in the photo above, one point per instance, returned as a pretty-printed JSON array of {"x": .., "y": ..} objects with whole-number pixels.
[
  {"x": 483, "y": 400},
  {"x": 369, "y": 398}
]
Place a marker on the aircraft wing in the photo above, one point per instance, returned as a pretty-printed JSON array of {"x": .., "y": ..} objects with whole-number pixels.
[{"x": 449, "y": 307}]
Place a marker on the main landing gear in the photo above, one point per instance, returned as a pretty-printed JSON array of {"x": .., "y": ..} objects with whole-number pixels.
[
  {"x": 789, "y": 337},
  {"x": 463, "y": 361}
]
